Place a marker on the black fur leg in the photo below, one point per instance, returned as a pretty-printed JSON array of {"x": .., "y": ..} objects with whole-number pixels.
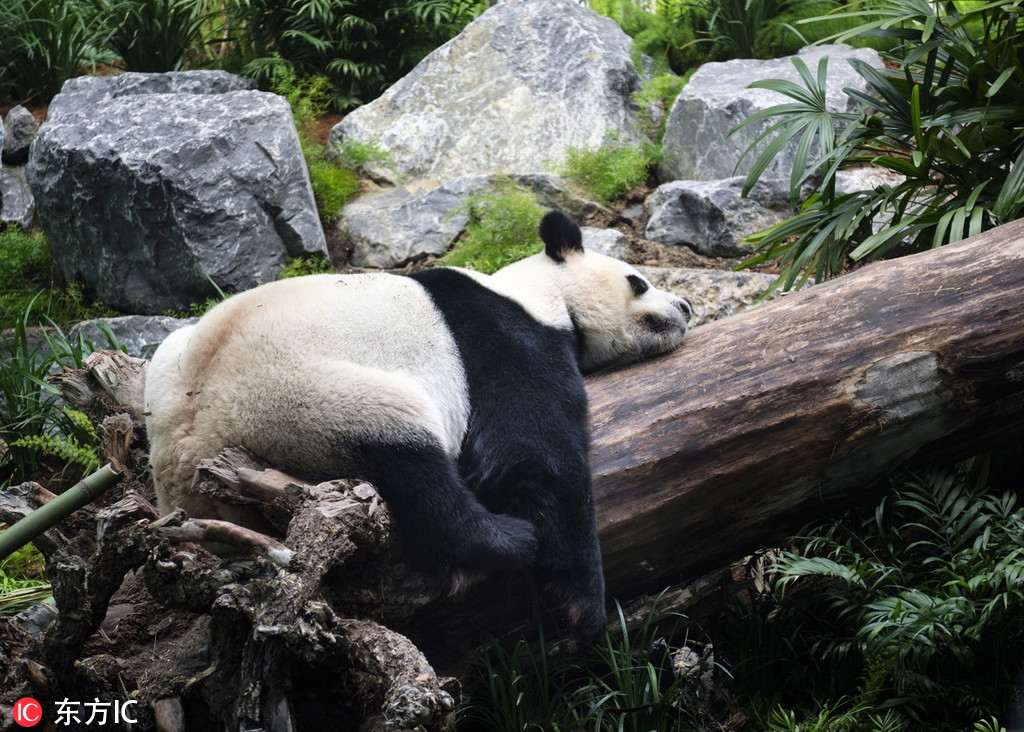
[
  {"x": 444, "y": 529},
  {"x": 577, "y": 592}
]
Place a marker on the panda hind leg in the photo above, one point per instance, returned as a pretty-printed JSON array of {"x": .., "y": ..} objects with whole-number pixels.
[{"x": 444, "y": 529}]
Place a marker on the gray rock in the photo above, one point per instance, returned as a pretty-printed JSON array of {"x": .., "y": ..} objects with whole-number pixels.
[
  {"x": 865, "y": 178},
  {"x": 17, "y": 206},
  {"x": 21, "y": 128},
  {"x": 697, "y": 145},
  {"x": 149, "y": 197},
  {"x": 712, "y": 217},
  {"x": 608, "y": 242},
  {"x": 99, "y": 89},
  {"x": 519, "y": 85},
  {"x": 139, "y": 334},
  {"x": 406, "y": 223},
  {"x": 714, "y": 294}
]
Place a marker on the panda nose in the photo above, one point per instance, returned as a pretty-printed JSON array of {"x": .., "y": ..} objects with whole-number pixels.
[{"x": 685, "y": 308}]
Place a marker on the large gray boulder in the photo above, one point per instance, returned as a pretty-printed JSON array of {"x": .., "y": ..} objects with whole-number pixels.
[
  {"x": 712, "y": 217},
  {"x": 697, "y": 145},
  {"x": 519, "y": 85},
  {"x": 406, "y": 223},
  {"x": 156, "y": 189}
]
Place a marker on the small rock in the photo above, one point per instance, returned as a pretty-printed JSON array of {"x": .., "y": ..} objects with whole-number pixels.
[
  {"x": 712, "y": 217},
  {"x": 17, "y": 206},
  {"x": 21, "y": 128},
  {"x": 139, "y": 334},
  {"x": 608, "y": 242},
  {"x": 713, "y": 294}
]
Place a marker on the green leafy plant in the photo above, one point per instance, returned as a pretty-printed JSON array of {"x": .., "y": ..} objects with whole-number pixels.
[
  {"x": 43, "y": 43},
  {"x": 357, "y": 154},
  {"x": 668, "y": 39},
  {"x": 838, "y": 717},
  {"x": 153, "y": 35},
  {"x": 911, "y": 605},
  {"x": 65, "y": 445},
  {"x": 737, "y": 27},
  {"x": 655, "y": 99},
  {"x": 22, "y": 580},
  {"x": 333, "y": 184},
  {"x": 627, "y": 685},
  {"x": 944, "y": 123},
  {"x": 301, "y": 266},
  {"x": 28, "y": 285},
  {"x": 607, "y": 172},
  {"x": 502, "y": 229},
  {"x": 40, "y": 437},
  {"x": 361, "y": 48}
]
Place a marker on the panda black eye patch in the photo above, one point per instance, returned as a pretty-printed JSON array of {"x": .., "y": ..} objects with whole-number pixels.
[{"x": 638, "y": 285}]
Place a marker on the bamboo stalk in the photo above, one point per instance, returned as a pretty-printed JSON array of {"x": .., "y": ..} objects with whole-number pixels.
[{"x": 49, "y": 515}]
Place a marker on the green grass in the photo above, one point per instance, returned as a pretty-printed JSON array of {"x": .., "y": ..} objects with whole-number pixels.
[
  {"x": 28, "y": 285},
  {"x": 625, "y": 684},
  {"x": 334, "y": 182},
  {"x": 502, "y": 229},
  {"x": 607, "y": 172},
  {"x": 44, "y": 440},
  {"x": 301, "y": 266}
]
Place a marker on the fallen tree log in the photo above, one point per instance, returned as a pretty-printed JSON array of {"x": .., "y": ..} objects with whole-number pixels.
[
  {"x": 786, "y": 410},
  {"x": 791, "y": 409}
]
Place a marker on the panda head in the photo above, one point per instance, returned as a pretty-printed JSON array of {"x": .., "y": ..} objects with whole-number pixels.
[{"x": 618, "y": 316}]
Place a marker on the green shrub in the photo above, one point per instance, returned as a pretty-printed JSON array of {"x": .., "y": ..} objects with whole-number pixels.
[
  {"x": 42, "y": 44},
  {"x": 626, "y": 684},
  {"x": 361, "y": 47},
  {"x": 357, "y": 154},
  {"x": 669, "y": 37},
  {"x": 502, "y": 229},
  {"x": 153, "y": 35},
  {"x": 911, "y": 605},
  {"x": 946, "y": 122},
  {"x": 607, "y": 172},
  {"x": 27, "y": 285},
  {"x": 43, "y": 440},
  {"x": 737, "y": 27},
  {"x": 333, "y": 184},
  {"x": 658, "y": 93},
  {"x": 301, "y": 266}
]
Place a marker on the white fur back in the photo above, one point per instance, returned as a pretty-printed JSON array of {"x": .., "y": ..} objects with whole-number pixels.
[{"x": 288, "y": 368}]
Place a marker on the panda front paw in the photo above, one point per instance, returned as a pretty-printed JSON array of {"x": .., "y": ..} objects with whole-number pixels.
[
  {"x": 469, "y": 552},
  {"x": 499, "y": 542}
]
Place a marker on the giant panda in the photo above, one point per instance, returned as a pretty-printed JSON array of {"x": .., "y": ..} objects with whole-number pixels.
[{"x": 458, "y": 395}]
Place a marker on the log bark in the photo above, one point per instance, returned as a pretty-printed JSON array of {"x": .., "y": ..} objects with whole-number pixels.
[{"x": 801, "y": 405}]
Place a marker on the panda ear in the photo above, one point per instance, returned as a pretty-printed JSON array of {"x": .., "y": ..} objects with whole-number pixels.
[{"x": 560, "y": 235}]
